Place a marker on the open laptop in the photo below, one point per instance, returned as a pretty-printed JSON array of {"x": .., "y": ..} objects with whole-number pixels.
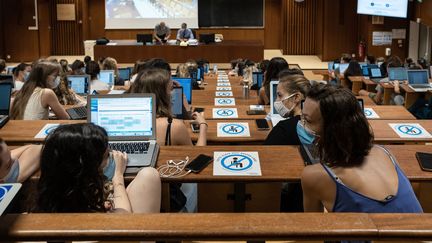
[
  {"x": 124, "y": 73},
  {"x": 107, "y": 76},
  {"x": 330, "y": 66},
  {"x": 130, "y": 121},
  {"x": 257, "y": 79},
  {"x": 8, "y": 191},
  {"x": 365, "y": 70},
  {"x": 274, "y": 115},
  {"x": 177, "y": 102},
  {"x": 7, "y": 78},
  {"x": 79, "y": 84},
  {"x": 9, "y": 69},
  {"x": 186, "y": 83},
  {"x": 343, "y": 67},
  {"x": 418, "y": 80},
  {"x": 397, "y": 73},
  {"x": 5, "y": 97},
  {"x": 375, "y": 74}
]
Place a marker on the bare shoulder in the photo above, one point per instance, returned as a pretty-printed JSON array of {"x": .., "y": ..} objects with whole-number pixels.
[{"x": 313, "y": 176}]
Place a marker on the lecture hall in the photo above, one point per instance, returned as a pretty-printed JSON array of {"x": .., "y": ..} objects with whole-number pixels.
[{"x": 216, "y": 120}]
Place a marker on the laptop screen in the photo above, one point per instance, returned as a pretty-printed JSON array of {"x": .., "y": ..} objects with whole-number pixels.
[
  {"x": 273, "y": 95},
  {"x": 107, "y": 76},
  {"x": 336, "y": 66},
  {"x": 5, "y": 96},
  {"x": 124, "y": 73},
  {"x": 375, "y": 72},
  {"x": 257, "y": 78},
  {"x": 200, "y": 73},
  {"x": 330, "y": 66},
  {"x": 186, "y": 83},
  {"x": 177, "y": 101},
  {"x": 124, "y": 115},
  {"x": 418, "y": 76},
  {"x": 79, "y": 83},
  {"x": 398, "y": 73},
  {"x": 9, "y": 69},
  {"x": 6, "y": 78},
  {"x": 343, "y": 67},
  {"x": 365, "y": 70}
]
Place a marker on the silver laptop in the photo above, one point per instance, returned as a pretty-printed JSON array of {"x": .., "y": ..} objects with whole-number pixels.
[
  {"x": 418, "y": 80},
  {"x": 130, "y": 121},
  {"x": 397, "y": 73},
  {"x": 8, "y": 192},
  {"x": 79, "y": 84},
  {"x": 5, "y": 98},
  {"x": 274, "y": 115}
]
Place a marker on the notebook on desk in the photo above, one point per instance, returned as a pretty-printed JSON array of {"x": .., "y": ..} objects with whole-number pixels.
[
  {"x": 130, "y": 121},
  {"x": 418, "y": 80},
  {"x": 5, "y": 97},
  {"x": 274, "y": 115}
]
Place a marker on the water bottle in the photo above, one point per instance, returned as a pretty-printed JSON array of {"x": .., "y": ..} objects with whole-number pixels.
[
  {"x": 215, "y": 69},
  {"x": 245, "y": 91}
]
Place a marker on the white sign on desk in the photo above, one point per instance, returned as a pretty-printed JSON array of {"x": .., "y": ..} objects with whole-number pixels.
[
  {"x": 234, "y": 129},
  {"x": 224, "y": 102},
  {"x": 224, "y": 93},
  {"x": 410, "y": 130},
  {"x": 223, "y": 89},
  {"x": 223, "y": 84},
  {"x": 46, "y": 130},
  {"x": 236, "y": 164},
  {"x": 225, "y": 113},
  {"x": 370, "y": 113}
]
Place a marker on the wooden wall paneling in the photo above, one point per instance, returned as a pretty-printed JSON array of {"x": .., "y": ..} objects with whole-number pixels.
[
  {"x": 424, "y": 12},
  {"x": 2, "y": 36},
  {"x": 66, "y": 35},
  {"x": 20, "y": 43},
  {"x": 273, "y": 27},
  {"x": 300, "y": 23},
  {"x": 319, "y": 30},
  {"x": 44, "y": 12}
]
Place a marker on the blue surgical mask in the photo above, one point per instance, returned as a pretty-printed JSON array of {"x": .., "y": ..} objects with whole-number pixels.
[
  {"x": 26, "y": 76},
  {"x": 12, "y": 176},
  {"x": 305, "y": 135},
  {"x": 110, "y": 168}
]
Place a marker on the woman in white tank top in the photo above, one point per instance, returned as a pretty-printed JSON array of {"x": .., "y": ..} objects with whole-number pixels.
[{"x": 36, "y": 96}]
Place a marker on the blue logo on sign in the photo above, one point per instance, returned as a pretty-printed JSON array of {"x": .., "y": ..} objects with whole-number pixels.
[
  {"x": 236, "y": 162},
  {"x": 224, "y": 101},
  {"x": 368, "y": 113},
  {"x": 50, "y": 130},
  {"x": 409, "y": 130},
  {"x": 225, "y": 112},
  {"x": 233, "y": 128},
  {"x": 4, "y": 190}
]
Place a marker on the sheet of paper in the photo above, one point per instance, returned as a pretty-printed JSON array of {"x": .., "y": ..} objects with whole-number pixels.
[
  {"x": 223, "y": 84},
  {"x": 370, "y": 113},
  {"x": 410, "y": 130},
  {"x": 236, "y": 164},
  {"x": 233, "y": 129},
  {"x": 46, "y": 130},
  {"x": 224, "y": 102},
  {"x": 224, "y": 94},
  {"x": 225, "y": 113},
  {"x": 223, "y": 89}
]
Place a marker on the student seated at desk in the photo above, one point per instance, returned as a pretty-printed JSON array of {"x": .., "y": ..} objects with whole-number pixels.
[
  {"x": 67, "y": 96},
  {"x": 353, "y": 70},
  {"x": 276, "y": 65},
  {"x": 111, "y": 64},
  {"x": 36, "y": 97},
  {"x": 345, "y": 58},
  {"x": 354, "y": 175},
  {"x": 78, "y": 68},
  {"x": 2, "y": 66},
  {"x": 397, "y": 98},
  {"x": 21, "y": 74},
  {"x": 93, "y": 70},
  {"x": 138, "y": 67},
  {"x": 18, "y": 164},
  {"x": 80, "y": 174},
  {"x": 65, "y": 69},
  {"x": 234, "y": 67}
]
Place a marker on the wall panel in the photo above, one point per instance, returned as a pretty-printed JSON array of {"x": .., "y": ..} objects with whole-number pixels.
[{"x": 424, "y": 12}]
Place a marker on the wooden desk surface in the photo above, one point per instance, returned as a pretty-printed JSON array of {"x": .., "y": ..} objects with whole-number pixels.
[
  {"x": 241, "y": 111},
  {"x": 392, "y": 112},
  {"x": 200, "y": 97},
  {"x": 385, "y": 134}
]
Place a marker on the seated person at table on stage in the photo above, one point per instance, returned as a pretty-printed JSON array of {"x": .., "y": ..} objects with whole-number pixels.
[
  {"x": 161, "y": 32},
  {"x": 354, "y": 175},
  {"x": 21, "y": 74},
  {"x": 184, "y": 34},
  {"x": 334, "y": 75},
  {"x": 291, "y": 90},
  {"x": 65, "y": 95},
  {"x": 93, "y": 70},
  {"x": 80, "y": 174},
  {"x": 396, "y": 97},
  {"x": 78, "y": 68},
  {"x": 353, "y": 70},
  {"x": 276, "y": 65},
  {"x": 36, "y": 97},
  {"x": 18, "y": 164},
  {"x": 111, "y": 64},
  {"x": 138, "y": 67}
]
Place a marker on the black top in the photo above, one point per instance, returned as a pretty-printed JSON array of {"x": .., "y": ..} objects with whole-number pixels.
[{"x": 284, "y": 133}]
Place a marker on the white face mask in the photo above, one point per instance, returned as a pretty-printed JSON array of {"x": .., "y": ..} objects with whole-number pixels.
[
  {"x": 282, "y": 109},
  {"x": 56, "y": 82}
]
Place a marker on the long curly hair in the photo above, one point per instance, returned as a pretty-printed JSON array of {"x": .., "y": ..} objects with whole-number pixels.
[{"x": 71, "y": 175}]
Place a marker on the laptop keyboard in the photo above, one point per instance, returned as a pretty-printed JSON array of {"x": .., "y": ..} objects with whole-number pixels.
[
  {"x": 131, "y": 147},
  {"x": 77, "y": 113}
]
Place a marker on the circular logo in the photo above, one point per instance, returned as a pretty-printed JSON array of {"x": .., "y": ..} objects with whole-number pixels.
[
  {"x": 410, "y": 130},
  {"x": 47, "y": 131},
  {"x": 224, "y": 101},
  {"x": 3, "y": 192},
  {"x": 368, "y": 113},
  {"x": 225, "y": 112},
  {"x": 233, "y": 128},
  {"x": 236, "y": 162}
]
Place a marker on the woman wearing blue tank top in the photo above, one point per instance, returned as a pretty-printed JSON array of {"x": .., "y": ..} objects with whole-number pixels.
[{"x": 354, "y": 175}]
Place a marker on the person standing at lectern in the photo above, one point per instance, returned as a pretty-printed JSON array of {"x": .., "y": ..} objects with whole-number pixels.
[
  {"x": 161, "y": 32},
  {"x": 184, "y": 34}
]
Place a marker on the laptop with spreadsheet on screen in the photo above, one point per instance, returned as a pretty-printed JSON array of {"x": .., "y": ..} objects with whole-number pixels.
[
  {"x": 79, "y": 83},
  {"x": 130, "y": 121}
]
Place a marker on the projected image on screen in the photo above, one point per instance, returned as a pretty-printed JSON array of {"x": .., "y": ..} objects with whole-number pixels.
[
  {"x": 390, "y": 8},
  {"x": 147, "y": 13}
]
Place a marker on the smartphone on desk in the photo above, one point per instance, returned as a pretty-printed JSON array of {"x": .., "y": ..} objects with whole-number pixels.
[
  {"x": 262, "y": 124},
  {"x": 425, "y": 160},
  {"x": 199, "y": 163}
]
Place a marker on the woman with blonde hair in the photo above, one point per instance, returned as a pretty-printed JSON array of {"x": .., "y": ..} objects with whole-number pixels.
[
  {"x": 36, "y": 96},
  {"x": 111, "y": 64}
]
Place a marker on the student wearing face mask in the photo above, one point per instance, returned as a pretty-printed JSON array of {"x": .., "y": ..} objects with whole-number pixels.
[
  {"x": 291, "y": 90},
  {"x": 19, "y": 164},
  {"x": 36, "y": 97},
  {"x": 21, "y": 75}
]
